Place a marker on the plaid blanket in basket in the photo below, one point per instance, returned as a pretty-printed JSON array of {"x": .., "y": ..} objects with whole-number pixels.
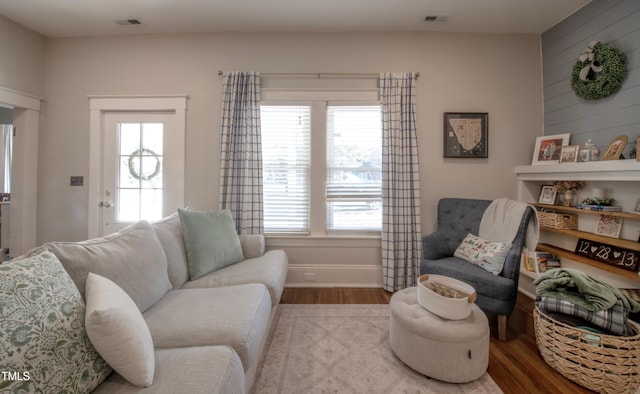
[{"x": 613, "y": 320}]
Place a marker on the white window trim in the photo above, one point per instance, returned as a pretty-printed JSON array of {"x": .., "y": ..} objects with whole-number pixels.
[
  {"x": 99, "y": 105},
  {"x": 24, "y": 185}
]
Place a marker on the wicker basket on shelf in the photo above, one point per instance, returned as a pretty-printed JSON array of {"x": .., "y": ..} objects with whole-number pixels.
[
  {"x": 599, "y": 362},
  {"x": 560, "y": 221}
]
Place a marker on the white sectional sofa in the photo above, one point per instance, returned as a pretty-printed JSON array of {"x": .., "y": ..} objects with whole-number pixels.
[{"x": 208, "y": 334}]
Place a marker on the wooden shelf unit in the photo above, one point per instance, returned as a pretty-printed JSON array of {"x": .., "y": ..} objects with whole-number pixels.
[
  {"x": 614, "y": 173},
  {"x": 561, "y": 208},
  {"x": 623, "y": 243}
]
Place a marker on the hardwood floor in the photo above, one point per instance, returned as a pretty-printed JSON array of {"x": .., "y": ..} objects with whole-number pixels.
[{"x": 515, "y": 365}]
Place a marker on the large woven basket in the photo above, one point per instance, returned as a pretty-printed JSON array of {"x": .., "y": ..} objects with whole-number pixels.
[
  {"x": 560, "y": 221},
  {"x": 603, "y": 363}
]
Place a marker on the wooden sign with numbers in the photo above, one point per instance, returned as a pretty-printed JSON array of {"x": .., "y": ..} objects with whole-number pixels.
[{"x": 619, "y": 257}]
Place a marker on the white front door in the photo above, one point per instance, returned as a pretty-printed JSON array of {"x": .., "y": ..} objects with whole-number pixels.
[{"x": 140, "y": 163}]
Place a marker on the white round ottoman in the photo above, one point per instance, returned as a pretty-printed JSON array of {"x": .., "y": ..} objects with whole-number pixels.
[{"x": 455, "y": 351}]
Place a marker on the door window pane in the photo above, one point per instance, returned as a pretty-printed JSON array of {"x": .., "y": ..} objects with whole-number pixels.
[
  {"x": 140, "y": 172},
  {"x": 129, "y": 205}
]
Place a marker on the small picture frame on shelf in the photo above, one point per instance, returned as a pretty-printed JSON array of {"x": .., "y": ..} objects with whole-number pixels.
[
  {"x": 547, "y": 195},
  {"x": 569, "y": 153},
  {"x": 615, "y": 148},
  {"x": 547, "y": 149},
  {"x": 609, "y": 226},
  {"x": 636, "y": 209}
]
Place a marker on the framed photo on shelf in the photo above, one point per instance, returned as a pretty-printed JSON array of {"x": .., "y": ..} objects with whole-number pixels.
[
  {"x": 547, "y": 149},
  {"x": 609, "y": 226},
  {"x": 466, "y": 135},
  {"x": 615, "y": 148},
  {"x": 569, "y": 153},
  {"x": 547, "y": 195}
]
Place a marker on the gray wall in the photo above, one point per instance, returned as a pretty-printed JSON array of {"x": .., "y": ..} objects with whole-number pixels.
[
  {"x": 6, "y": 115},
  {"x": 616, "y": 23}
]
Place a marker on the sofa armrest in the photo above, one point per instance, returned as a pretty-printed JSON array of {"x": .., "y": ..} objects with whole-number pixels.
[
  {"x": 434, "y": 246},
  {"x": 252, "y": 245}
]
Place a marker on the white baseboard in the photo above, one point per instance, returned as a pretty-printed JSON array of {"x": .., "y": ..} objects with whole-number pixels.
[{"x": 327, "y": 275}]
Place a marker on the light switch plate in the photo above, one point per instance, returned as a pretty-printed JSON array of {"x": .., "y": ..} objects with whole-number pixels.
[{"x": 77, "y": 181}]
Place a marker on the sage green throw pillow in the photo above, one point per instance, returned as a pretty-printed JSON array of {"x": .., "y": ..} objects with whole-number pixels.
[
  {"x": 210, "y": 240},
  {"x": 43, "y": 341}
]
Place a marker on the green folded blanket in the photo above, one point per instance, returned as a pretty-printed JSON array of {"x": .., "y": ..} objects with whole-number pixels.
[{"x": 581, "y": 289}]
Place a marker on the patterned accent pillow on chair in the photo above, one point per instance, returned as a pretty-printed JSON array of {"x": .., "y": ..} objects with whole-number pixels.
[
  {"x": 43, "y": 342},
  {"x": 485, "y": 254}
]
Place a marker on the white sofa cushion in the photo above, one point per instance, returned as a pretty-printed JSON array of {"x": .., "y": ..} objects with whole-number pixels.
[
  {"x": 133, "y": 258},
  {"x": 118, "y": 331},
  {"x": 269, "y": 269},
  {"x": 252, "y": 245},
  {"x": 198, "y": 369},
  {"x": 169, "y": 232},
  {"x": 237, "y": 316},
  {"x": 42, "y": 330}
]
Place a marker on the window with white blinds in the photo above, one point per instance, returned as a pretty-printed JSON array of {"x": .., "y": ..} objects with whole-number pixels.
[
  {"x": 286, "y": 159},
  {"x": 354, "y": 161}
]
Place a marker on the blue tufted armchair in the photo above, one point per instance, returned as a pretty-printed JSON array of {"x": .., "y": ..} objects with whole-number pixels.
[{"x": 458, "y": 217}]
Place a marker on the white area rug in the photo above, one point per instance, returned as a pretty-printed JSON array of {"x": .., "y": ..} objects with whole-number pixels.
[{"x": 342, "y": 349}]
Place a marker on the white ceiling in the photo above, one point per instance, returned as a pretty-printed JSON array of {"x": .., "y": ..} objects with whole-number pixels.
[{"x": 75, "y": 18}]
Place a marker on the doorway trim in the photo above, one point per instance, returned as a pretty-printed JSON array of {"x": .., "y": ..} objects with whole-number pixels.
[
  {"x": 99, "y": 106},
  {"x": 24, "y": 177}
]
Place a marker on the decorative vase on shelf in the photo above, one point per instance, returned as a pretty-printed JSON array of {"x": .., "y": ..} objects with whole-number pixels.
[{"x": 567, "y": 198}]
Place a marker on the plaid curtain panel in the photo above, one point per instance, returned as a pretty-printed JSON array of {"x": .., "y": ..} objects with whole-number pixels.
[
  {"x": 241, "y": 151},
  {"x": 401, "y": 229}
]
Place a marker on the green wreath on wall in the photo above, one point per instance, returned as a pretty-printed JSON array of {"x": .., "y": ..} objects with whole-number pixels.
[{"x": 599, "y": 71}]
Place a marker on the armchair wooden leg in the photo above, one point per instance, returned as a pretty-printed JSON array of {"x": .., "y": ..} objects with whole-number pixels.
[{"x": 502, "y": 327}]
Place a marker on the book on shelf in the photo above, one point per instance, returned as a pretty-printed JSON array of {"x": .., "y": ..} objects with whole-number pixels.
[
  {"x": 604, "y": 208},
  {"x": 553, "y": 263},
  {"x": 527, "y": 260},
  {"x": 539, "y": 262}
]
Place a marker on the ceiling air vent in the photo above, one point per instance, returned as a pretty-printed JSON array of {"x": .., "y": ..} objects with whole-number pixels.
[
  {"x": 129, "y": 22},
  {"x": 436, "y": 18}
]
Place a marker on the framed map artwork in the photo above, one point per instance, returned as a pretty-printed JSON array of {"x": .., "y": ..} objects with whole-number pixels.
[{"x": 466, "y": 135}]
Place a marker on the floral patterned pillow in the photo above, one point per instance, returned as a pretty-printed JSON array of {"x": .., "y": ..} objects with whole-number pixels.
[
  {"x": 43, "y": 343},
  {"x": 485, "y": 254}
]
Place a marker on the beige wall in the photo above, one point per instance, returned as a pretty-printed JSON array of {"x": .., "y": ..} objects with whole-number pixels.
[
  {"x": 498, "y": 74},
  {"x": 22, "y": 54}
]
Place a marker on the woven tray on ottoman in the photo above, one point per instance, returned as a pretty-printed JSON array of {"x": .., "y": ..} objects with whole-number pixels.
[{"x": 603, "y": 363}]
